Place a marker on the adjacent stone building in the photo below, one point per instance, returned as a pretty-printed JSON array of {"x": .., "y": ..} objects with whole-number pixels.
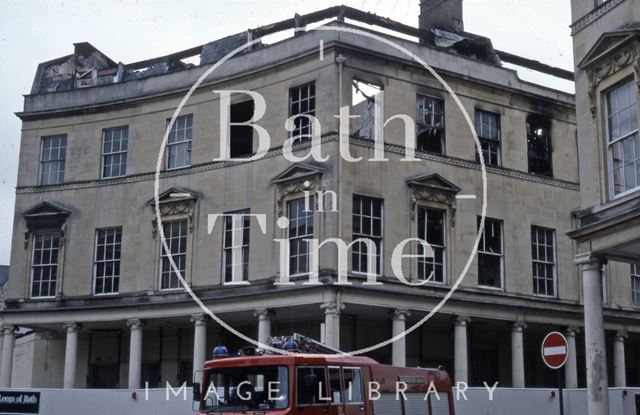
[
  {"x": 606, "y": 40},
  {"x": 90, "y": 277}
]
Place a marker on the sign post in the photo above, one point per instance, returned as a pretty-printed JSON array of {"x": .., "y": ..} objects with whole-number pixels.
[{"x": 555, "y": 351}]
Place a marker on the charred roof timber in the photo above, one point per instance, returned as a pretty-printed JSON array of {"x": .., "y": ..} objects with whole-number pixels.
[{"x": 441, "y": 26}]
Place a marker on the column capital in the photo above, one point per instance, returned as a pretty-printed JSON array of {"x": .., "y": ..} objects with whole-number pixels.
[
  {"x": 572, "y": 331},
  {"x": 8, "y": 329},
  {"x": 134, "y": 324},
  {"x": 332, "y": 307},
  {"x": 71, "y": 326},
  {"x": 263, "y": 313},
  {"x": 518, "y": 326},
  {"x": 621, "y": 335},
  {"x": 588, "y": 261},
  {"x": 400, "y": 313},
  {"x": 199, "y": 319},
  {"x": 462, "y": 320}
]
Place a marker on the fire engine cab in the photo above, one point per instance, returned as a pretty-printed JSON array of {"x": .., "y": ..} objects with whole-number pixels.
[{"x": 313, "y": 379}]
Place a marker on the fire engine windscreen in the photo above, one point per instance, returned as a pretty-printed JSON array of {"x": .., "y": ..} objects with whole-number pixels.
[{"x": 239, "y": 389}]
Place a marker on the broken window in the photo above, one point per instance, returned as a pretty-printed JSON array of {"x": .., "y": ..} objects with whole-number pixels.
[
  {"x": 539, "y": 145},
  {"x": 490, "y": 254},
  {"x": 302, "y": 101},
  {"x": 178, "y": 152},
  {"x": 431, "y": 228},
  {"x": 241, "y": 135},
  {"x": 430, "y": 124},
  {"x": 52, "y": 159},
  {"x": 114, "y": 151},
  {"x": 363, "y": 102},
  {"x": 488, "y": 130}
]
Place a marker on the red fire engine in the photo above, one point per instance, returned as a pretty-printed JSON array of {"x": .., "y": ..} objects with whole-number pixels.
[{"x": 316, "y": 380}]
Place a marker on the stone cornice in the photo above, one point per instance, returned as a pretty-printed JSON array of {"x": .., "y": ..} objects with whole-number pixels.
[
  {"x": 593, "y": 15},
  {"x": 274, "y": 152}
]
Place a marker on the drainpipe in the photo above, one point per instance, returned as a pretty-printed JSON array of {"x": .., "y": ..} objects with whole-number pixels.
[{"x": 340, "y": 60}]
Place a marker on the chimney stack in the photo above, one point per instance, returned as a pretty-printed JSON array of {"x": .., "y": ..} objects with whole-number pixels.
[{"x": 443, "y": 14}]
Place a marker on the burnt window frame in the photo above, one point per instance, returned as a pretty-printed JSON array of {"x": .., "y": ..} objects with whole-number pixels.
[
  {"x": 241, "y": 128},
  {"x": 420, "y": 122},
  {"x": 544, "y": 123},
  {"x": 482, "y": 251},
  {"x": 425, "y": 236}
]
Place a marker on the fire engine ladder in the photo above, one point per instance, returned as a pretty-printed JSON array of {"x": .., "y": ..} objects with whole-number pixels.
[{"x": 303, "y": 344}]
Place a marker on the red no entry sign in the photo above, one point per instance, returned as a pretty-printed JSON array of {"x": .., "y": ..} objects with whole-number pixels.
[{"x": 555, "y": 350}]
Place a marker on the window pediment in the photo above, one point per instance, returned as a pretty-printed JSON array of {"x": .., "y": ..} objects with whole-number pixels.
[
  {"x": 45, "y": 215},
  {"x": 435, "y": 189},
  {"x": 297, "y": 178},
  {"x": 176, "y": 201}
]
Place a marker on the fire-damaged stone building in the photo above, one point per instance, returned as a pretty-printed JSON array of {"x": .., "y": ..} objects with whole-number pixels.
[{"x": 99, "y": 304}]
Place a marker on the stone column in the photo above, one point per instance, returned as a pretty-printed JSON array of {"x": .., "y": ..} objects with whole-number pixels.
[
  {"x": 264, "y": 324},
  {"x": 571, "y": 367},
  {"x": 199, "y": 341},
  {"x": 619, "y": 367},
  {"x": 460, "y": 349},
  {"x": 332, "y": 324},
  {"x": 70, "y": 355},
  {"x": 399, "y": 349},
  {"x": 135, "y": 353},
  {"x": 597, "y": 382},
  {"x": 517, "y": 354},
  {"x": 8, "y": 339}
]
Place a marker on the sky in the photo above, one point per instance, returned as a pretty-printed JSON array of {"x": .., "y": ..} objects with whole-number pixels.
[{"x": 128, "y": 31}]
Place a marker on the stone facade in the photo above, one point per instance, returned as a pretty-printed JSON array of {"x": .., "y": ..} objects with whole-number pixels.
[{"x": 144, "y": 333}]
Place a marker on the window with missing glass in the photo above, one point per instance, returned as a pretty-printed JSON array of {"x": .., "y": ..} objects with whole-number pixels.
[
  {"x": 235, "y": 256},
  {"x": 367, "y": 224},
  {"x": 490, "y": 254},
  {"x": 431, "y": 228},
  {"x": 115, "y": 143},
  {"x": 175, "y": 234},
  {"x": 52, "y": 159},
  {"x": 44, "y": 264},
  {"x": 623, "y": 140},
  {"x": 106, "y": 267},
  {"x": 635, "y": 284},
  {"x": 488, "y": 130},
  {"x": 302, "y": 101},
  {"x": 430, "y": 125},
  {"x": 543, "y": 254},
  {"x": 539, "y": 145},
  {"x": 300, "y": 215},
  {"x": 178, "y": 150}
]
